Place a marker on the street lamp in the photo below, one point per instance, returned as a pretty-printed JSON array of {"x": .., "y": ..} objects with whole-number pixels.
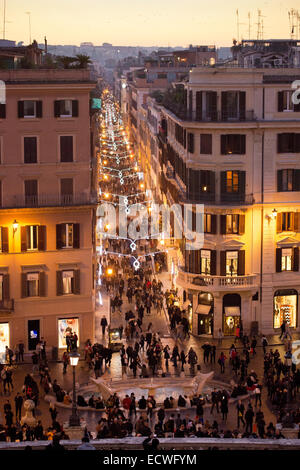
[{"x": 74, "y": 418}]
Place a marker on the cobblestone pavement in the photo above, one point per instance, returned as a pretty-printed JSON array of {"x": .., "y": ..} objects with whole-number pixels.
[{"x": 114, "y": 372}]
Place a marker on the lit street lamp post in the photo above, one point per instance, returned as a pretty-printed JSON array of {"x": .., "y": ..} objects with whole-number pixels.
[{"x": 74, "y": 418}]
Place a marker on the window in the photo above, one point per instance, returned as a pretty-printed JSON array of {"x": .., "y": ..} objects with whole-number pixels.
[
  {"x": 31, "y": 193},
  {"x": 66, "y": 108},
  {"x": 285, "y": 307},
  {"x": 29, "y": 109},
  {"x": 205, "y": 262},
  {"x": 32, "y": 284},
  {"x": 4, "y": 239},
  {"x": 30, "y": 150},
  {"x": 67, "y": 236},
  {"x": 190, "y": 137},
  {"x": 286, "y": 259},
  {"x": 32, "y": 237},
  {"x": 285, "y": 103},
  {"x": 206, "y": 144},
  {"x": 232, "y": 223},
  {"x": 210, "y": 223},
  {"x": 232, "y": 181},
  {"x": 66, "y": 190},
  {"x": 288, "y": 222},
  {"x": 68, "y": 282},
  {"x": 288, "y": 180},
  {"x": 206, "y": 106},
  {"x": 66, "y": 148},
  {"x": 233, "y": 144},
  {"x": 288, "y": 143},
  {"x": 233, "y": 105},
  {"x": 231, "y": 263}
]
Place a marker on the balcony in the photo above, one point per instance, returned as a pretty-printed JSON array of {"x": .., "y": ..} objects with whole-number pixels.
[
  {"x": 49, "y": 200},
  {"x": 217, "y": 283},
  {"x": 212, "y": 115},
  {"x": 7, "y": 305}
]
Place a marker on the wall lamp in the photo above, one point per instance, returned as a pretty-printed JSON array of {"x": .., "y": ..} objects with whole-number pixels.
[
  {"x": 15, "y": 226},
  {"x": 273, "y": 215}
]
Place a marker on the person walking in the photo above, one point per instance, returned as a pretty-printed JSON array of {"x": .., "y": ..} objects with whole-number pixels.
[
  {"x": 221, "y": 362},
  {"x": 66, "y": 361},
  {"x": 240, "y": 408},
  {"x": 264, "y": 343},
  {"x": 103, "y": 324}
]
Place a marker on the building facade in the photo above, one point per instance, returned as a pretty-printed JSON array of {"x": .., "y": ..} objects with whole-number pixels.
[
  {"x": 235, "y": 149},
  {"x": 47, "y": 207}
]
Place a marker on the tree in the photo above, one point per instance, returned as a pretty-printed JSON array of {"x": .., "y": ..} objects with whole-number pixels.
[
  {"x": 66, "y": 61},
  {"x": 82, "y": 61}
]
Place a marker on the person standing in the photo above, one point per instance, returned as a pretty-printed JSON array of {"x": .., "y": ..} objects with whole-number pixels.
[
  {"x": 264, "y": 343},
  {"x": 103, "y": 324},
  {"x": 249, "y": 418},
  {"x": 21, "y": 351},
  {"x": 221, "y": 362},
  {"x": 66, "y": 361},
  {"x": 240, "y": 413},
  {"x": 18, "y": 403}
]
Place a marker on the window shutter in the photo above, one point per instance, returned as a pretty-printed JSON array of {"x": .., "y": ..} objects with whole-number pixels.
[
  {"x": 198, "y": 105},
  {"x": 223, "y": 144},
  {"x": 75, "y": 108},
  {"x": 213, "y": 224},
  {"x": 242, "y": 183},
  {"x": 66, "y": 148},
  {"x": 223, "y": 182},
  {"x": 241, "y": 224},
  {"x": 77, "y": 281},
  {"x": 279, "y": 180},
  {"x": 57, "y": 108},
  {"x": 20, "y": 109},
  {"x": 224, "y": 104},
  {"x": 42, "y": 284},
  {"x": 212, "y": 185},
  {"x": 242, "y": 105},
  {"x": 296, "y": 221},
  {"x": 296, "y": 180},
  {"x": 296, "y": 259},
  {"x": 23, "y": 285},
  {"x": 278, "y": 260},
  {"x": 42, "y": 237},
  {"x": 4, "y": 238},
  {"x": 76, "y": 235},
  {"x": 242, "y": 144},
  {"x": 280, "y": 101},
  {"x": 5, "y": 287},
  {"x": 59, "y": 283},
  {"x": 23, "y": 238},
  {"x": 39, "y": 109},
  {"x": 206, "y": 144},
  {"x": 279, "y": 143},
  {"x": 279, "y": 222},
  {"x": 222, "y": 263},
  {"x": 223, "y": 224},
  {"x": 2, "y": 111},
  {"x": 59, "y": 228},
  {"x": 213, "y": 262},
  {"x": 241, "y": 263}
]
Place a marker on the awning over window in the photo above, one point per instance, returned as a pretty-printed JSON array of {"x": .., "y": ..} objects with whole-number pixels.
[
  {"x": 232, "y": 311},
  {"x": 203, "y": 309}
]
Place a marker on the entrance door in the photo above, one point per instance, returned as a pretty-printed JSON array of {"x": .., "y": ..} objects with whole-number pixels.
[
  {"x": 205, "y": 324},
  {"x": 33, "y": 334}
]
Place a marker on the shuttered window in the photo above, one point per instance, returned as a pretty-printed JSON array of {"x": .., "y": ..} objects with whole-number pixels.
[
  {"x": 288, "y": 180},
  {"x": 4, "y": 241},
  {"x": 206, "y": 144},
  {"x": 66, "y": 190},
  {"x": 68, "y": 282},
  {"x": 30, "y": 150},
  {"x": 33, "y": 284},
  {"x": 287, "y": 259},
  {"x": 66, "y": 148},
  {"x": 31, "y": 193},
  {"x": 288, "y": 143},
  {"x": 288, "y": 222},
  {"x": 66, "y": 108},
  {"x": 233, "y": 144},
  {"x": 67, "y": 236},
  {"x": 30, "y": 109}
]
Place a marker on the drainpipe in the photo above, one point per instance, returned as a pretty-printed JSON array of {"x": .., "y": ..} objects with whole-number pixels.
[{"x": 262, "y": 200}]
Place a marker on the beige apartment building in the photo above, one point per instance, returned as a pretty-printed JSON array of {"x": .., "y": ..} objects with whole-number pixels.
[
  {"x": 235, "y": 149},
  {"x": 47, "y": 207}
]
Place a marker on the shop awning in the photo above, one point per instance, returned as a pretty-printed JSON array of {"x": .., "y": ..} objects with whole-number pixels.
[
  {"x": 186, "y": 304},
  {"x": 232, "y": 311},
  {"x": 203, "y": 309}
]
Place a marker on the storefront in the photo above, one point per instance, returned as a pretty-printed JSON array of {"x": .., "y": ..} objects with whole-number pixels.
[
  {"x": 231, "y": 313},
  {"x": 4, "y": 340},
  {"x": 33, "y": 334},
  {"x": 205, "y": 312},
  {"x": 188, "y": 308},
  {"x": 65, "y": 325},
  {"x": 285, "y": 307}
]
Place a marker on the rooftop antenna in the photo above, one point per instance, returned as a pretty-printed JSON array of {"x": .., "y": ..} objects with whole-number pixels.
[
  {"x": 293, "y": 23},
  {"x": 238, "y": 24}
]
